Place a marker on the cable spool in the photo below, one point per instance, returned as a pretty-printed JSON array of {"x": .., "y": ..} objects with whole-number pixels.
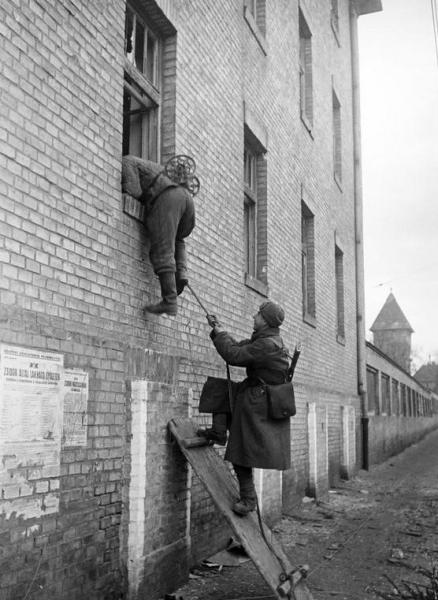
[{"x": 181, "y": 170}]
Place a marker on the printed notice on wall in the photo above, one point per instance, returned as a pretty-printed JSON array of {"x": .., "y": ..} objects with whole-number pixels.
[
  {"x": 31, "y": 396},
  {"x": 75, "y": 408}
]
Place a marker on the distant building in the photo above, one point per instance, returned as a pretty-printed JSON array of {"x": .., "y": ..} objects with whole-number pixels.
[
  {"x": 428, "y": 376},
  {"x": 392, "y": 333}
]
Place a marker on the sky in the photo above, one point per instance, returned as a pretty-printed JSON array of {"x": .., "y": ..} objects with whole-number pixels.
[{"x": 399, "y": 130}]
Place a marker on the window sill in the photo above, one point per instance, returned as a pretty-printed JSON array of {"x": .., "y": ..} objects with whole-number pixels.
[
  {"x": 305, "y": 121},
  {"x": 133, "y": 207},
  {"x": 256, "y": 285},
  {"x": 310, "y": 320},
  {"x": 338, "y": 180},
  {"x": 340, "y": 339},
  {"x": 255, "y": 30}
]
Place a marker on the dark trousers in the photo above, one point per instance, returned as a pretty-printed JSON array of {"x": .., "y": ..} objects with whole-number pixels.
[
  {"x": 169, "y": 220},
  {"x": 246, "y": 482}
]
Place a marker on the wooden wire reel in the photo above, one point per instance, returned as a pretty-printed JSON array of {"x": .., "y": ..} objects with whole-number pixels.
[{"x": 181, "y": 169}]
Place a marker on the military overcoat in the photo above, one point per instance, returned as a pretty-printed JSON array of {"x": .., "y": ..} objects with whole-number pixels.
[{"x": 255, "y": 439}]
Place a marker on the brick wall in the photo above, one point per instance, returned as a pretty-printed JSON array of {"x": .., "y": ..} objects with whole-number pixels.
[
  {"x": 400, "y": 422},
  {"x": 75, "y": 271}
]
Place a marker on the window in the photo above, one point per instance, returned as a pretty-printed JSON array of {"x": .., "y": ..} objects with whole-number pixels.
[
  {"x": 339, "y": 277},
  {"x": 395, "y": 398},
  {"x": 373, "y": 390},
  {"x": 250, "y": 212},
  {"x": 254, "y": 210},
  {"x": 386, "y": 400},
  {"x": 334, "y": 18},
  {"x": 337, "y": 140},
  {"x": 306, "y": 78},
  {"x": 404, "y": 408},
  {"x": 255, "y": 10},
  {"x": 308, "y": 263},
  {"x": 141, "y": 98}
]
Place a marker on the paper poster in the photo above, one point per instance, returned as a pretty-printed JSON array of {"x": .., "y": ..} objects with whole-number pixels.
[
  {"x": 31, "y": 397},
  {"x": 75, "y": 408}
]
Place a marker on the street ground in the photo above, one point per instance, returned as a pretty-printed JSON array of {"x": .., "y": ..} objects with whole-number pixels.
[{"x": 381, "y": 525}]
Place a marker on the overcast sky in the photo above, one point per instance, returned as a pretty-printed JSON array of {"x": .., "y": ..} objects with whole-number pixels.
[{"x": 399, "y": 108}]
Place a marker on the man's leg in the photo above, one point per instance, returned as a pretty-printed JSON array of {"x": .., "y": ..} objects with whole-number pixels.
[
  {"x": 217, "y": 433},
  {"x": 162, "y": 224},
  {"x": 185, "y": 227},
  {"x": 248, "y": 498},
  {"x": 181, "y": 266},
  {"x": 168, "y": 304}
]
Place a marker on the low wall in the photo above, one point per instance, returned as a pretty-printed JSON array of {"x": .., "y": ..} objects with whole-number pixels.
[{"x": 389, "y": 435}]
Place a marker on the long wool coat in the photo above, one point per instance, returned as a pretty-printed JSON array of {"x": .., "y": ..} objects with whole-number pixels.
[{"x": 256, "y": 440}]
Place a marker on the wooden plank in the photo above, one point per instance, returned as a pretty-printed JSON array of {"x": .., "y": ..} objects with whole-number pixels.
[{"x": 268, "y": 556}]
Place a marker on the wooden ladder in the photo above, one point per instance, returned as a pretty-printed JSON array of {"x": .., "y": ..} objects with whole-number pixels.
[{"x": 262, "y": 547}]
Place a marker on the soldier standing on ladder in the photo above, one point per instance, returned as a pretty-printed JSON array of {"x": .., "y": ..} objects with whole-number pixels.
[{"x": 255, "y": 439}]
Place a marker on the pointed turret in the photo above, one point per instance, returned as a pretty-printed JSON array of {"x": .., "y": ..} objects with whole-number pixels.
[{"x": 392, "y": 333}]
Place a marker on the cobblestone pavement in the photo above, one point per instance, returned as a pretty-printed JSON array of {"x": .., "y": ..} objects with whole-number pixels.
[{"x": 381, "y": 524}]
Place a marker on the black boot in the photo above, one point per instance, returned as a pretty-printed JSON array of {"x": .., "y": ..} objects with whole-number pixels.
[
  {"x": 218, "y": 432},
  {"x": 168, "y": 304},
  {"x": 248, "y": 498}
]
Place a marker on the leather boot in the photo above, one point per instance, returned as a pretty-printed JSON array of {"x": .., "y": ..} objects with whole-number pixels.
[
  {"x": 248, "y": 498},
  {"x": 218, "y": 432},
  {"x": 168, "y": 304}
]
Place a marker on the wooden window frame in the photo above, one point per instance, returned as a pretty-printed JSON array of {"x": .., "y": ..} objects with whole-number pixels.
[
  {"x": 254, "y": 12},
  {"x": 305, "y": 72},
  {"x": 254, "y": 214},
  {"x": 337, "y": 139},
  {"x": 142, "y": 88},
  {"x": 340, "y": 295},
  {"x": 308, "y": 264}
]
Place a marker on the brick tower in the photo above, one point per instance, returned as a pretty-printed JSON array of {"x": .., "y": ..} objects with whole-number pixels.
[{"x": 392, "y": 333}]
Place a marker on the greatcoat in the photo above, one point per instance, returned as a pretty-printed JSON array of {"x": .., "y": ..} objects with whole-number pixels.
[{"x": 255, "y": 439}]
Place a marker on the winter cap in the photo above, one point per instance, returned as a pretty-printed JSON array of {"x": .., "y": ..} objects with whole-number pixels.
[{"x": 272, "y": 313}]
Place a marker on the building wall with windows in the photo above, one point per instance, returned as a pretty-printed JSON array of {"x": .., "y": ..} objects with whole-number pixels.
[
  {"x": 95, "y": 499},
  {"x": 400, "y": 409}
]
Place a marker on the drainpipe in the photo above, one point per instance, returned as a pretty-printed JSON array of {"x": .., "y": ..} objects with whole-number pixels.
[{"x": 358, "y": 222}]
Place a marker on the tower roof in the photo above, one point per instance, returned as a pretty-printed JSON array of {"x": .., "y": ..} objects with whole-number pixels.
[{"x": 391, "y": 317}]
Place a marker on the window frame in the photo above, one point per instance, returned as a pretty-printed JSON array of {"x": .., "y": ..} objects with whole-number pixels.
[
  {"x": 254, "y": 12},
  {"x": 372, "y": 377},
  {"x": 250, "y": 211},
  {"x": 308, "y": 288},
  {"x": 385, "y": 384},
  {"x": 340, "y": 294},
  {"x": 254, "y": 213},
  {"x": 142, "y": 93},
  {"x": 334, "y": 20},
  {"x": 305, "y": 71},
  {"x": 337, "y": 139}
]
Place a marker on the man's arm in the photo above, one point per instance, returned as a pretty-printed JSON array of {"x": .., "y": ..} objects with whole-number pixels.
[{"x": 238, "y": 354}]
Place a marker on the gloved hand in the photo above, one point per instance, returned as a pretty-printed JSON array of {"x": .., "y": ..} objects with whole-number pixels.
[
  {"x": 213, "y": 321},
  {"x": 181, "y": 283}
]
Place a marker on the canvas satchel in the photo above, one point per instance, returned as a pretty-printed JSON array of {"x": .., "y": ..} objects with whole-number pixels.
[{"x": 281, "y": 400}]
